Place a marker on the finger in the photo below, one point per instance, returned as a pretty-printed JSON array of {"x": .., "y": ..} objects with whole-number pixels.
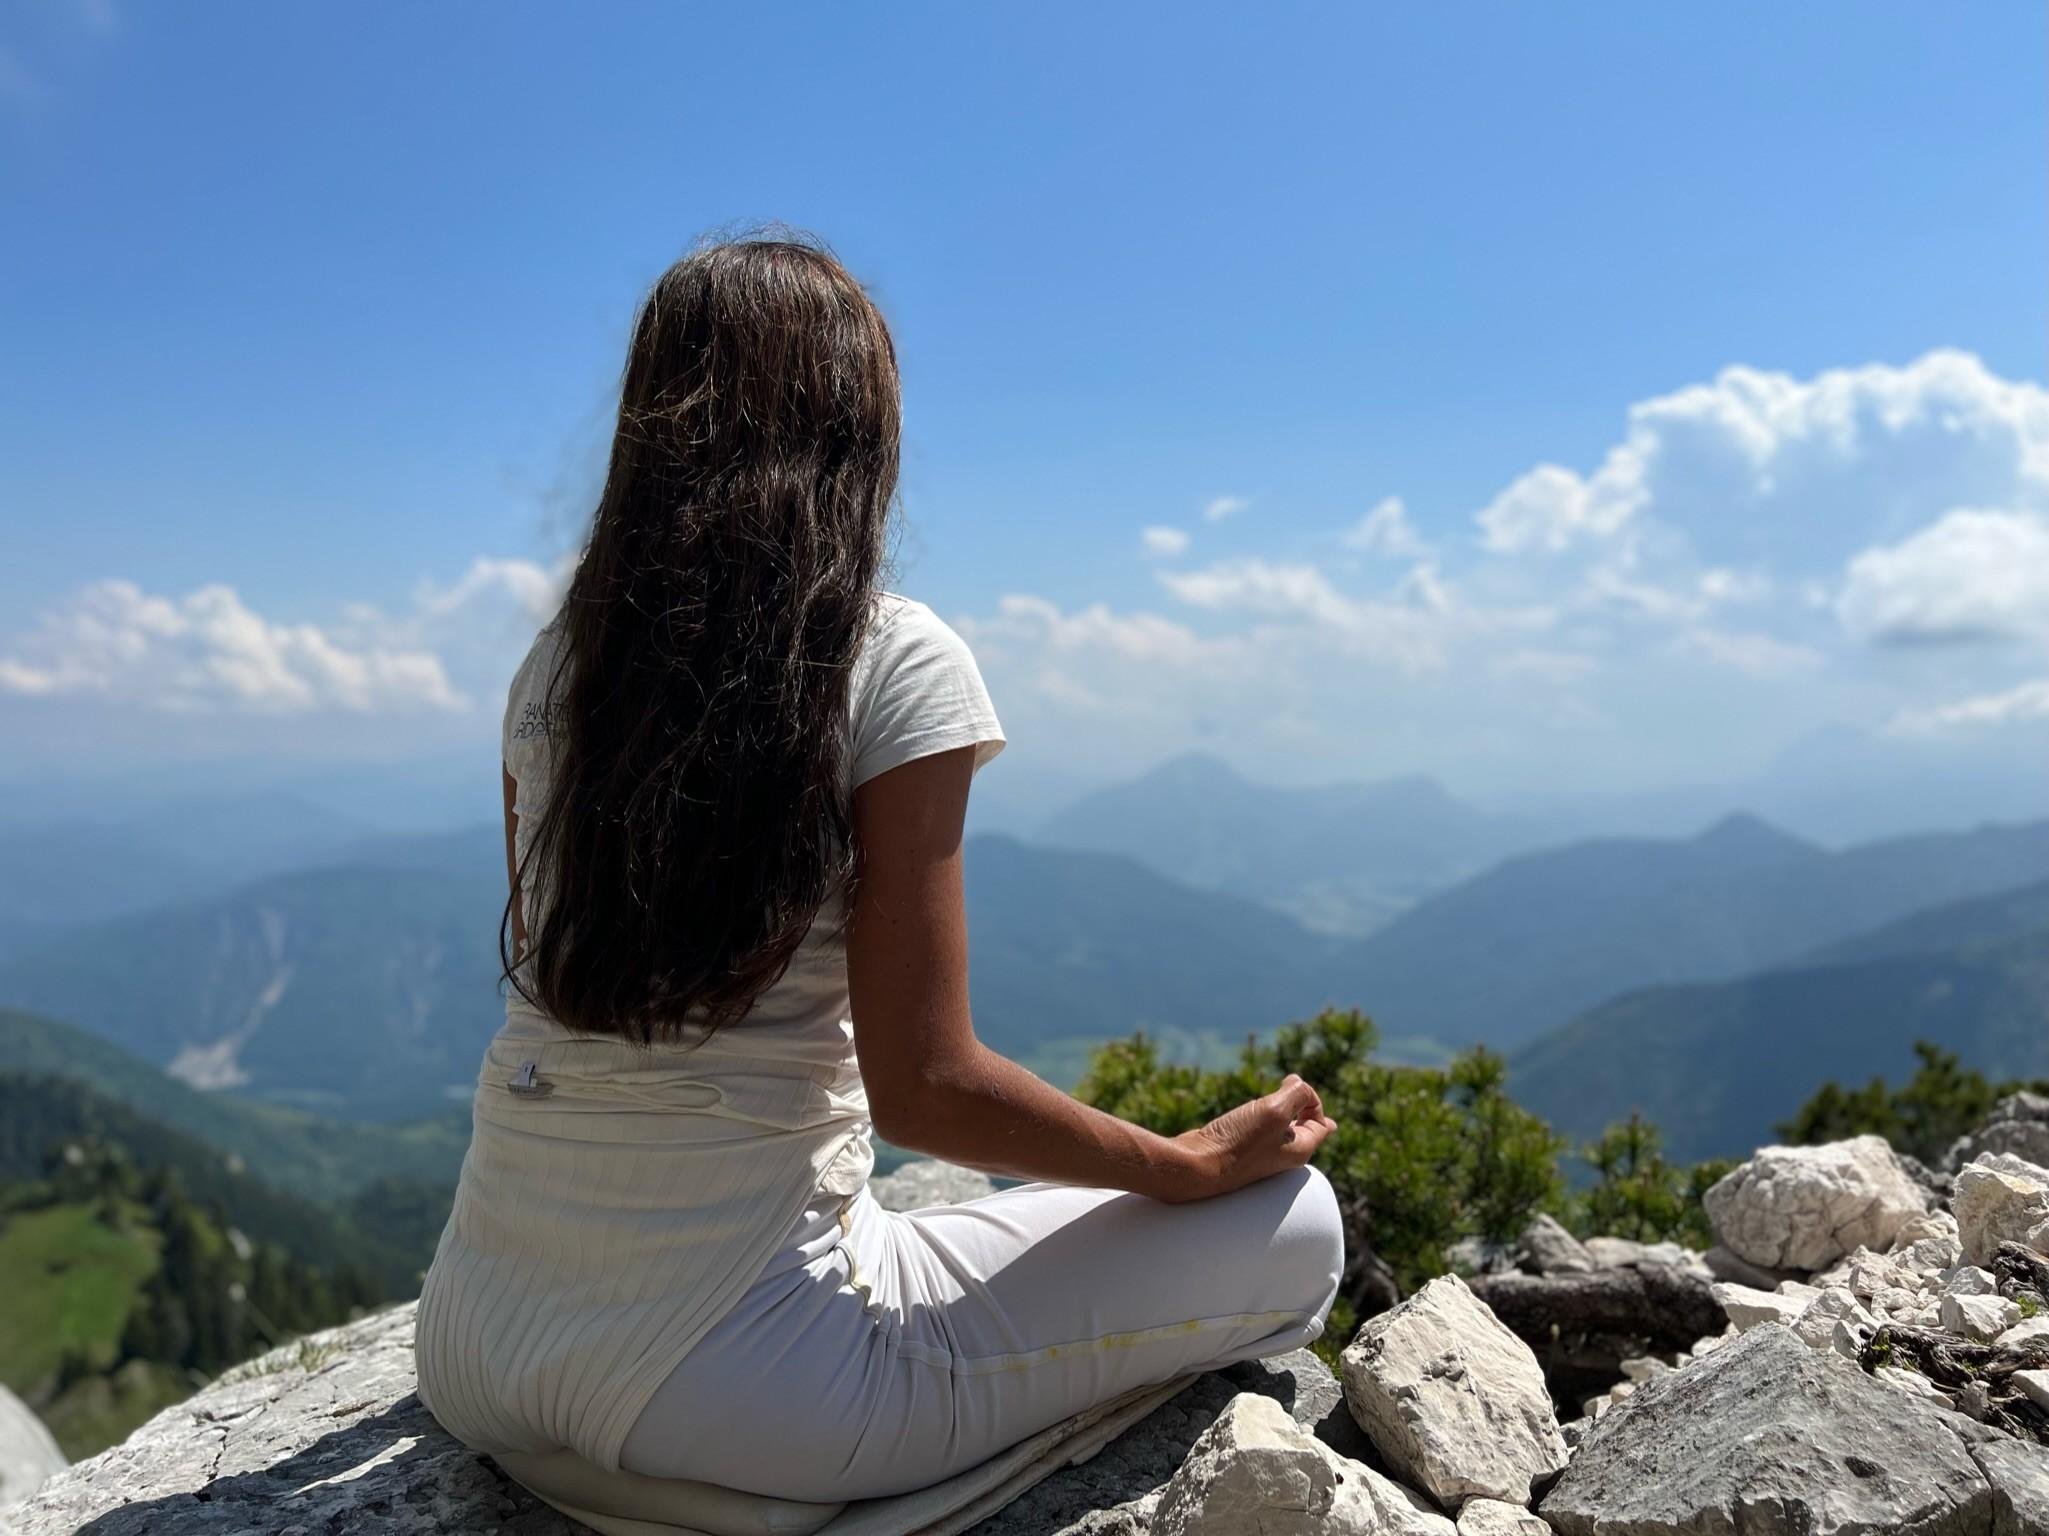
[{"x": 1297, "y": 1098}]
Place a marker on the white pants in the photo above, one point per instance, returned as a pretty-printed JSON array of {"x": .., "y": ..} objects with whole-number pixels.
[{"x": 881, "y": 1352}]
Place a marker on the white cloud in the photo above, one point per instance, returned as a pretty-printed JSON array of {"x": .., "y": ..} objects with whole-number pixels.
[
  {"x": 1757, "y": 654},
  {"x": 1217, "y": 508},
  {"x": 208, "y": 650},
  {"x": 1022, "y": 620},
  {"x": 1694, "y": 594},
  {"x": 2028, "y": 701},
  {"x": 537, "y": 589},
  {"x": 1971, "y": 575},
  {"x": 1386, "y": 531},
  {"x": 1164, "y": 541},
  {"x": 1412, "y": 628},
  {"x": 1558, "y": 667},
  {"x": 1550, "y": 507},
  {"x": 1875, "y": 443}
]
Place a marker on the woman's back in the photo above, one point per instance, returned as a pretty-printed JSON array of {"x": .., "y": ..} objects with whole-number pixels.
[{"x": 617, "y": 1198}]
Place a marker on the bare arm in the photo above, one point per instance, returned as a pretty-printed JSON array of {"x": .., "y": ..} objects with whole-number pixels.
[{"x": 935, "y": 1088}]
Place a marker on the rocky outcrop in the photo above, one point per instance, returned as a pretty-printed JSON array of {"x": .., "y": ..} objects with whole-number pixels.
[
  {"x": 1455, "y": 1401},
  {"x": 1766, "y": 1435},
  {"x": 1805, "y": 1207},
  {"x": 1900, "y": 1388},
  {"x": 2001, "y": 1198},
  {"x": 2018, "y": 1124},
  {"x": 1255, "y": 1472},
  {"x": 28, "y": 1455}
]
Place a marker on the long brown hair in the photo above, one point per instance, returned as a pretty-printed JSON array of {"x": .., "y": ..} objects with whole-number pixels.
[{"x": 699, "y": 815}]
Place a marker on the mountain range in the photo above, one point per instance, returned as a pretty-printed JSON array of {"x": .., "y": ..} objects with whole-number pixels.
[
  {"x": 364, "y": 988},
  {"x": 1540, "y": 938},
  {"x": 1717, "y": 1065},
  {"x": 1339, "y": 858}
]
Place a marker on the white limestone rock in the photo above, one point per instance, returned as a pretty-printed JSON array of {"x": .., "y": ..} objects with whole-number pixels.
[
  {"x": 1454, "y": 1401},
  {"x": 928, "y": 1182},
  {"x": 2026, "y": 1331},
  {"x": 1969, "y": 1280},
  {"x": 1492, "y": 1517},
  {"x": 1805, "y": 1207},
  {"x": 1747, "y": 1307},
  {"x": 1546, "y": 1248},
  {"x": 1913, "y": 1383},
  {"x": 1929, "y": 1257},
  {"x": 1978, "y": 1318},
  {"x": 2001, "y": 1198},
  {"x": 2036, "y": 1385},
  {"x": 1767, "y": 1438},
  {"x": 1934, "y": 1224},
  {"x": 29, "y": 1457},
  {"x": 1255, "y": 1472},
  {"x": 1816, "y": 1326},
  {"x": 1613, "y": 1252}
]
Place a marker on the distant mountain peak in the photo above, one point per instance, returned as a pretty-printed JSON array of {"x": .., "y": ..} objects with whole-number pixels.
[
  {"x": 1746, "y": 832},
  {"x": 1196, "y": 767}
]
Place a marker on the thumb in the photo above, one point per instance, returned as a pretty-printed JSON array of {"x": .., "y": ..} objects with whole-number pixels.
[{"x": 1296, "y": 1098}]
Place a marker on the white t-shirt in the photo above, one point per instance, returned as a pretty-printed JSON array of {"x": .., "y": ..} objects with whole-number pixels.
[{"x": 614, "y": 1205}]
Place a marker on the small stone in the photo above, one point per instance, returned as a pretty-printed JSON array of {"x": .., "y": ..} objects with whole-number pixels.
[
  {"x": 1253, "y": 1469},
  {"x": 2035, "y": 1384},
  {"x": 1492, "y": 1517},
  {"x": 2027, "y": 1331},
  {"x": 1454, "y": 1401},
  {"x": 1724, "y": 1264},
  {"x": 1913, "y": 1383},
  {"x": 1932, "y": 1224},
  {"x": 1847, "y": 1339},
  {"x": 1747, "y": 1308},
  {"x": 1816, "y": 1326},
  {"x": 1933, "y": 1255},
  {"x": 1978, "y": 1318},
  {"x": 1613, "y": 1252},
  {"x": 1546, "y": 1248},
  {"x": 1969, "y": 1280},
  {"x": 1643, "y": 1368},
  {"x": 1897, "y": 1303},
  {"x": 2001, "y": 1198}
]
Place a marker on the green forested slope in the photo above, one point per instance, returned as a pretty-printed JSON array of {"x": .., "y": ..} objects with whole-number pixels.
[
  {"x": 1718, "y": 1065},
  {"x": 292, "y": 1150}
]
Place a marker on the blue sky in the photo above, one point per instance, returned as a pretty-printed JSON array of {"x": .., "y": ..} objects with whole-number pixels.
[{"x": 313, "y": 315}]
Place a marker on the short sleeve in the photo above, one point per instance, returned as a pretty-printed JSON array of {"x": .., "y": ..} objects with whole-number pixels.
[
  {"x": 917, "y": 692},
  {"x": 526, "y": 738}
]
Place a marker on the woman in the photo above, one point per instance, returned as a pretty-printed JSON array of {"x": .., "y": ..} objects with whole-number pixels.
[{"x": 735, "y": 776}]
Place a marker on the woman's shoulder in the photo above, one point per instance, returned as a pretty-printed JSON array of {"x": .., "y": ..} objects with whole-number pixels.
[
  {"x": 529, "y": 710},
  {"x": 900, "y": 624}
]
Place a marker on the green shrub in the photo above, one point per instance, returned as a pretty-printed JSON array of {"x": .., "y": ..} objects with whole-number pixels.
[{"x": 1421, "y": 1157}]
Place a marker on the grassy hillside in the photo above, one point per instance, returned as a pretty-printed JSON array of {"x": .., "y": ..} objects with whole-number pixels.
[
  {"x": 387, "y": 1230},
  {"x": 1531, "y": 944},
  {"x": 295, "y": 1152},
  {"x": 1716, "y": 1066}
]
